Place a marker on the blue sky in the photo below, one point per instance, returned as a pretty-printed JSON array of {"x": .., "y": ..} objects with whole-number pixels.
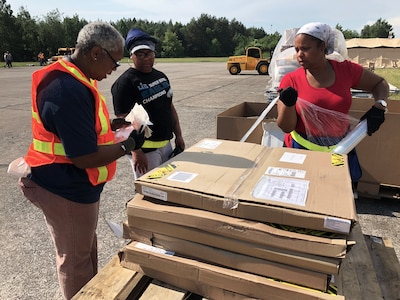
[{"x": 272, "y": 15}]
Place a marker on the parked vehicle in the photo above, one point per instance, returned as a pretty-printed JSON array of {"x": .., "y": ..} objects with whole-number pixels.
[
  {"x": 61, "y": 52},
  {"x": 253, "y": 60}
]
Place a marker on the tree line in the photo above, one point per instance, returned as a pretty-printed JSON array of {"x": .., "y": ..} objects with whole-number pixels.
[{"x": 205, "y": 36}]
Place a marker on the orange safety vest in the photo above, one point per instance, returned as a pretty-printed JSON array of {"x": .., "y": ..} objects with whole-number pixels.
[{"x": 47, "y": 148}]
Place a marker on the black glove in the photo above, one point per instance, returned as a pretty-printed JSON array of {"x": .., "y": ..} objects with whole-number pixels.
[
  {"x": 133, "y": 142},
  {"x": 375, "y": 117},
  {"x": 118, "y": 123},
  {"x": 288, "y": 96}
]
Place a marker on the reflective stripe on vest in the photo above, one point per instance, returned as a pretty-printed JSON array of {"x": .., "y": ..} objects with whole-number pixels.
[
  {"x": 155, "y": 144},
  {"x": 103, "y": 174},
  {"x": 103, "y": 119},
  {"x": 46, "y": 147},
  {"x": 309, "y": 145},
  {"x": 36, "y": 116}
]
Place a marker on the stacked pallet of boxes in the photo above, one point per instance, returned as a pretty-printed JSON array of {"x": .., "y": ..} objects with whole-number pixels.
[{"x": 231, "y": 220}]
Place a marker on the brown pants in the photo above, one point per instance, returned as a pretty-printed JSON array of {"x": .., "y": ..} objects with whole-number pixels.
[{"x": 73, "y": 229}]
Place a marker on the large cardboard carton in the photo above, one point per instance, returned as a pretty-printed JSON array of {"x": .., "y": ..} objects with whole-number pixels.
[
  {"x": 277, "y": 185},
  {"x": 233, "y": 123},
  {"x": 235, "y": 228},
  {"x": 376, "y": 153},
  {"x": 321, "y": 264},
  {"x": 230, "y": 259},
  {"x": 154, "y": 261},
  {"x": 236, "y": 261},
  {"x": 187, "y": 284}
]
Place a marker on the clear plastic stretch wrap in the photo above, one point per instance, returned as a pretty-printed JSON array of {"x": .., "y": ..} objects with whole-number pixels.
[{"x": 323, "y": 126}]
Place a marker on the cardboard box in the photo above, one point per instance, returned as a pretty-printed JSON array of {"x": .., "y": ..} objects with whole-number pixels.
[
  {"x": 233, "y": 123},
  {"x": 277, "y": 185},
  {"x": 175, "y": 282},
  {"x": 233, "y": 260},
  {"x": 154, "y": 261},
  {"x": 376, "y": 153},
  {"x": 321, "y": 264},
  {"x": 235, "y": 228}
]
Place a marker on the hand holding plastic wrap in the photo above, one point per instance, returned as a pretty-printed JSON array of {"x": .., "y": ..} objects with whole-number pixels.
[
  {"x": 140, "y": 121},
  {"x": 375, "y": 117},
  {"x": 323, "y": 126}
]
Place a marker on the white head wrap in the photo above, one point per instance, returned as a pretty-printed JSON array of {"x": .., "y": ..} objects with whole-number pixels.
[{"x": 322, "y": 32}]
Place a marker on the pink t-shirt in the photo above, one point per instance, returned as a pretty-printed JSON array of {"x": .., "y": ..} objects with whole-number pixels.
[{"x": 336, "y": 97}]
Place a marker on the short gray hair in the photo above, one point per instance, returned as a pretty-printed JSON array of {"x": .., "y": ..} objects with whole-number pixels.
[{"x": 99, "y": 33}]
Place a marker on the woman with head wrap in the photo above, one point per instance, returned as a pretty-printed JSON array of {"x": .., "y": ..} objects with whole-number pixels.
[{"x": 322, "y": 87}]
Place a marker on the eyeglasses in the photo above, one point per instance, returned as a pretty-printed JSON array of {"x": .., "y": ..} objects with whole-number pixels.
[
  {"x": 116, "y": 63},
  {"x": 141, "y": 55}
]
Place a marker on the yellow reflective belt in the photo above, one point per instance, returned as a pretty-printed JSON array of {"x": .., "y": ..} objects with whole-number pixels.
[
  {"x": 155, "y": 144},
  {"x": 309, "y": 145},
  {"x": 45, "y": 147}
]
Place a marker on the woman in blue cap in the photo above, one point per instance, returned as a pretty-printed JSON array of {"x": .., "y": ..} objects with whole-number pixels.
[{"x": 150, "y": 88}]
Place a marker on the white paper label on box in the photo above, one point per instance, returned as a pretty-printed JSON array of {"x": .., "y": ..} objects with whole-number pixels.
[
  {"x": 153, "y": 249},
  {"x": 294, "y": 158},
  {"x": 208, "y": 144},
  {"x": 276, "y": 171},
  {"x": 182, "y": 176},
  {"x": 284, "y": 190},
  {"x": 160, "y": 195},
  {"x": 337, "y": 224}
]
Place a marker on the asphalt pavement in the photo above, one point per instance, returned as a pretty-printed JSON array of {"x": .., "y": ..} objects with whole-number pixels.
[{"x": 201, "y": 91}]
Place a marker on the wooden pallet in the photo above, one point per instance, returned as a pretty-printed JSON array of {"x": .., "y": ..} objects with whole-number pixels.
[
  {"x": 377, "y": 191},
  {"x": 370, "y": 270},
  {"x": 114, "y": 282}
]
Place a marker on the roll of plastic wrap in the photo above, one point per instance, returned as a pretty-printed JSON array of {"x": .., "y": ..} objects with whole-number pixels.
[{"x": 351, "y": 140}]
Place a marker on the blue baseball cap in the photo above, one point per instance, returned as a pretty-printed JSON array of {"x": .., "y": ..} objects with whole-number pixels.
[{"x": 137, "y": 39}]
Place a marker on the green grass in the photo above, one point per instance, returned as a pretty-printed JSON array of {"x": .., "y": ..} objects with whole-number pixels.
[{"x": 393, "y": 77}]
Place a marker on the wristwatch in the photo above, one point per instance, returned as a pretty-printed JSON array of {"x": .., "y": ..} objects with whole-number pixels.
[{"x": 382, "y": 102}]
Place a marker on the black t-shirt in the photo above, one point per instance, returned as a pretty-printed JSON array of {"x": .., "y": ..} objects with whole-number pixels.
[
  {"x": 67, "y": 108},
  {"x": 153, "y": 91}
]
